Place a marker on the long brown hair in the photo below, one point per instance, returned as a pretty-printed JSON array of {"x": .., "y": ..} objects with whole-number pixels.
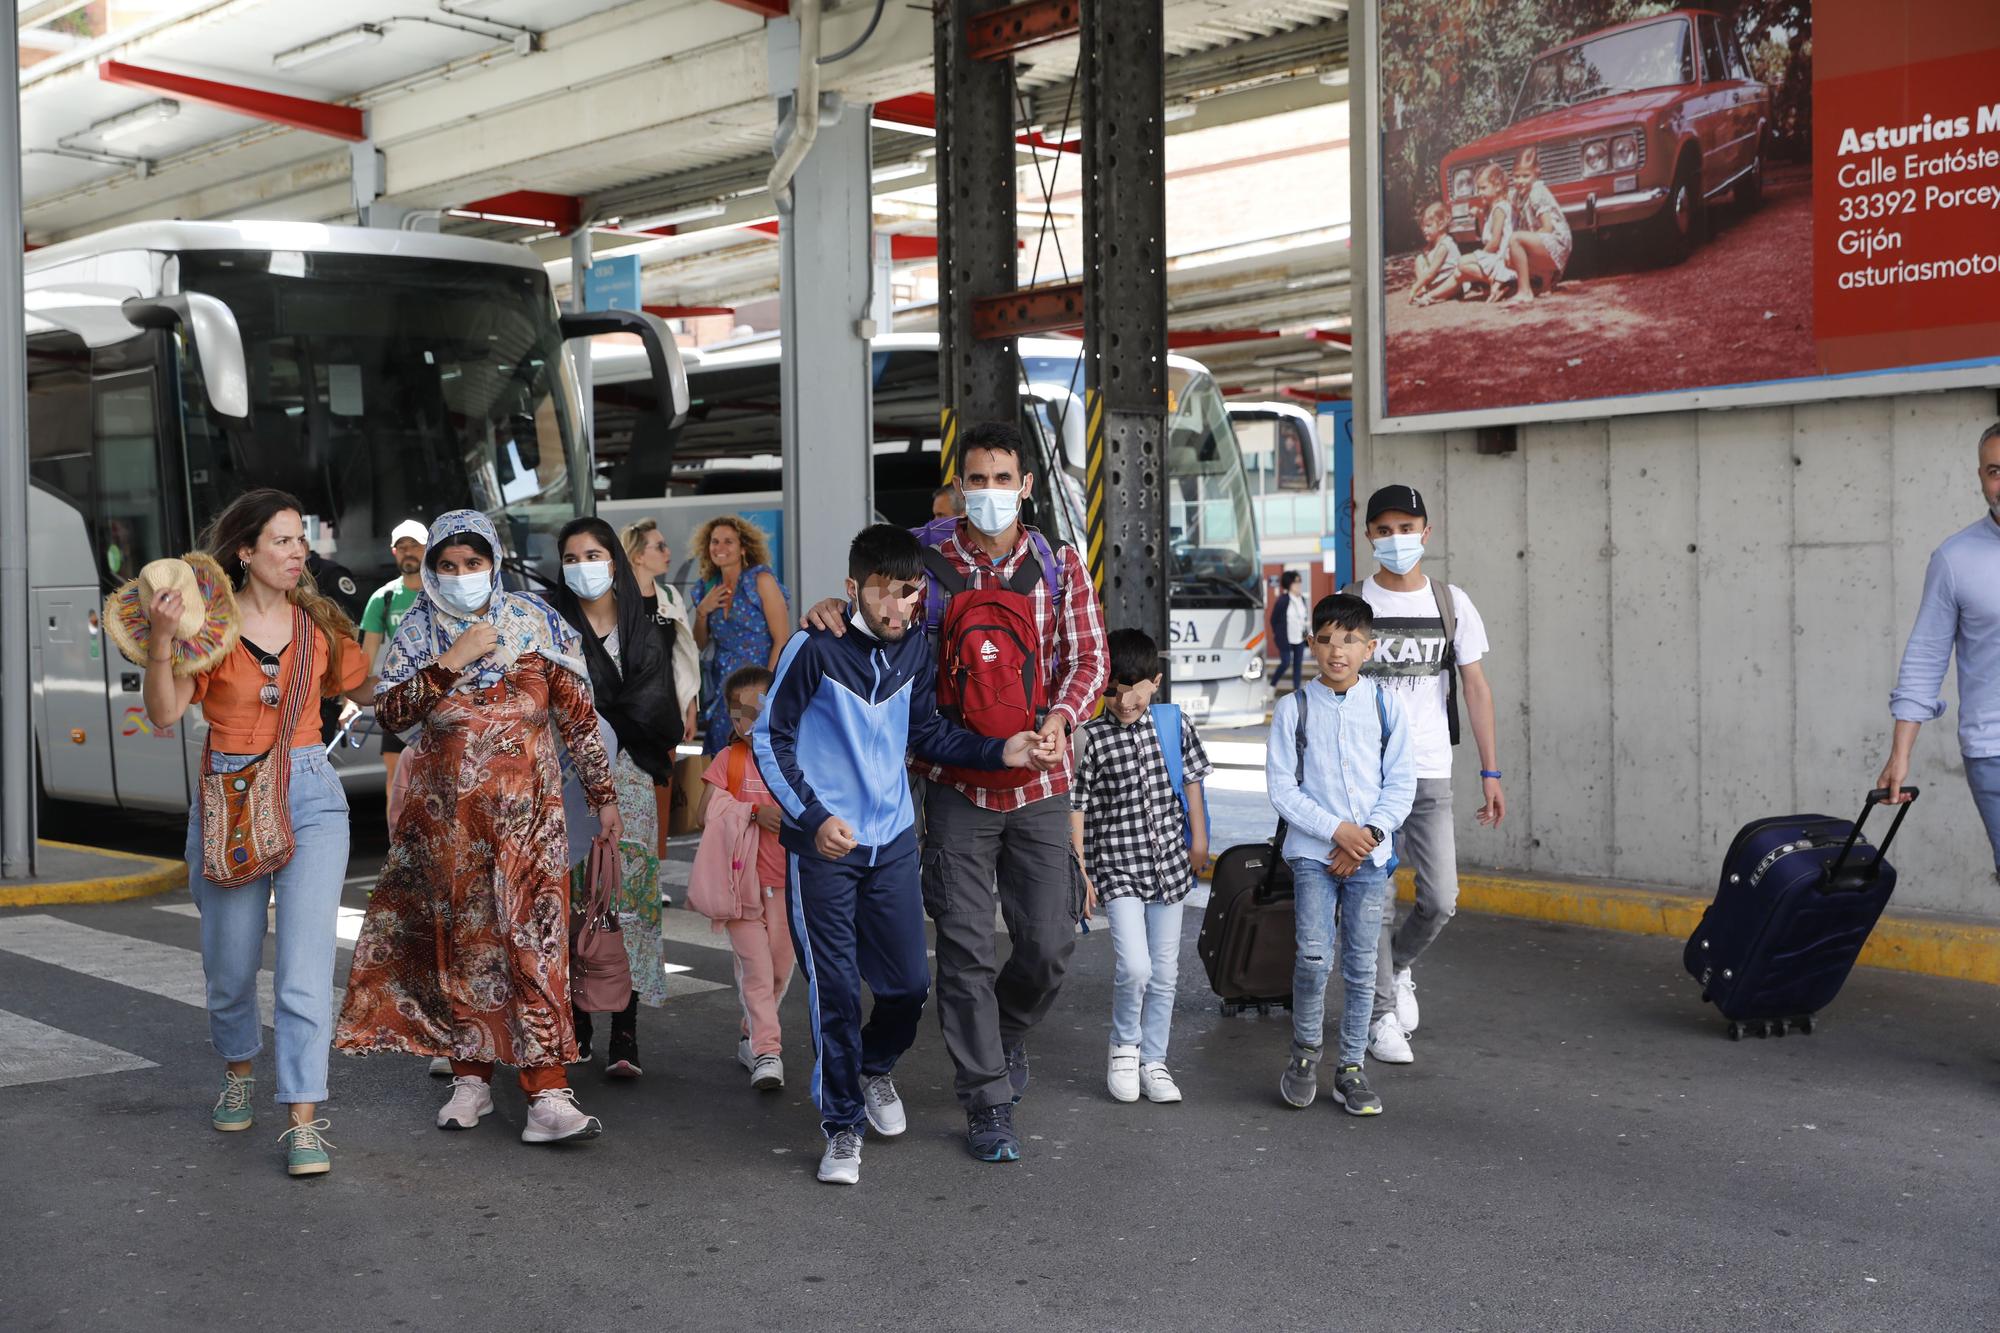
[
  {"x": 756, "y": 546},
  {"x": 240, "y": 525}
]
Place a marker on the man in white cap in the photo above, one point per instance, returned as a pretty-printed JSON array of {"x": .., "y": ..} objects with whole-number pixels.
[{"x": 385, "y": 612}]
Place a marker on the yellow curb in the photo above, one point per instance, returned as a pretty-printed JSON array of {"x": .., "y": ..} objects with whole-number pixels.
[
  {"x": 157, "y": 876},
  {"x": 1932, "y": 946}
]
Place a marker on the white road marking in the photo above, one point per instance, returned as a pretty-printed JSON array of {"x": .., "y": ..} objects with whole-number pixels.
[
  {"x": 32, "y": 1052},
  {"x": 165, "y": 970},
  {"x": 1235, "y": 754}
]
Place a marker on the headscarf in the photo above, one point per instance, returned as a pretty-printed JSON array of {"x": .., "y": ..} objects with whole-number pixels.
[
  {"x": 635, "y": 694},
  {"x": 526, "y": 624}
]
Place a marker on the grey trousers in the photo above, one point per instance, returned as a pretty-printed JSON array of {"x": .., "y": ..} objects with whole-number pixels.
[
  {"x": 1023, "y": 860},
  {"x": 1428, "y": 844}
]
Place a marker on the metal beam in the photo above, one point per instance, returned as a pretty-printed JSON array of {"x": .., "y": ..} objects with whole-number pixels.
[
  {"x": 300, "y": 113},
  {"x": 1048, "y": 309},
  {"x": 17, "y": 740},
  {"x": 531, "y": 208},
  {"x": 999, "y": 33},
  {"x": 769, "y": 9}
]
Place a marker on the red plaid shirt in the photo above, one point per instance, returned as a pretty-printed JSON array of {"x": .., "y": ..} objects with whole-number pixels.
[{"x": 1081, "y": 663}]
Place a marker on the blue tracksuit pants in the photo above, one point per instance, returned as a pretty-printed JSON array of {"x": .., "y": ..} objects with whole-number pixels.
[{"x": 853, "y": 924}]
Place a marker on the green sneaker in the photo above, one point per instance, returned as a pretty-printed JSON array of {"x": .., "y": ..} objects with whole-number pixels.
[
  {"x": 305, "y": 1154},
  {"x": 232, "y": 1108}
]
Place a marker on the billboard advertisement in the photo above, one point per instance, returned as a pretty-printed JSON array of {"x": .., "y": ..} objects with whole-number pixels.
[{"x": 1592, "y": 207}]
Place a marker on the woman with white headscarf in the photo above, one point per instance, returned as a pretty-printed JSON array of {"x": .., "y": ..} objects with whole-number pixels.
[{"x": 465, "y": 949}]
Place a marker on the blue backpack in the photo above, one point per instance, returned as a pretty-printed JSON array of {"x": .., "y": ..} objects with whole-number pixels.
[{"x": 1167, "y": 730}]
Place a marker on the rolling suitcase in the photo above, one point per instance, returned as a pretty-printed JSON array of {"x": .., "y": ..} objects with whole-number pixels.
[
  {"x": 1247, "y": 939},
  {"x": 1798, "y": 897}
]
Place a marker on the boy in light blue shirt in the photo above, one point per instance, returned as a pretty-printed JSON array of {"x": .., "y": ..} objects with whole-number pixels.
[{"x": 1341, "y": 795}]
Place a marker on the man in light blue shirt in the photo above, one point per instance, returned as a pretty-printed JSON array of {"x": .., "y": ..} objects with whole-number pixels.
[
  {"x": 1342, "y": 797},
  {"x": 1960, "y": 612}
]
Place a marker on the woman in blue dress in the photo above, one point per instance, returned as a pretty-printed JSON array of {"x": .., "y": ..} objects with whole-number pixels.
[{"x": 741, "y": 615}]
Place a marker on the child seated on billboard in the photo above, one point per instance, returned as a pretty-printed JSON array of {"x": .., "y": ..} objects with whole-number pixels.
[
  {"x": 1437, "y": 267},
  {"x": 1486, "y": 269}
]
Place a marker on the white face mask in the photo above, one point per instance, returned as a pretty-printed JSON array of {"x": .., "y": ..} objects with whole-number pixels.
[
  {"x": 466, "y": 594},
  {"x": 589, "y": 580},
  {"x": 992, "y": 511},
  {"x": 1400, "y": 553}
]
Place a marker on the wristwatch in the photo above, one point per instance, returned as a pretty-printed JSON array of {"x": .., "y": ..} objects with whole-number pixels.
[{"x": 1375, "y": 833}]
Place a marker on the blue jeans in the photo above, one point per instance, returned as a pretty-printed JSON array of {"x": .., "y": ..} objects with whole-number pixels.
[
  {"x": 1357, "y": 903},
  {"x": 233, "y": 921},
  {"x": 1984, "y": 777},
  {"x": 1146, "y": 940},
  {"x": 1292, "y": 658}
]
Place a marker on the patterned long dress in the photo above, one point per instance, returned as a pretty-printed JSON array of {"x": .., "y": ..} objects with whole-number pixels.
[
  {"x": 465, "y": 948},
  {"x": 741, "y": 638}
]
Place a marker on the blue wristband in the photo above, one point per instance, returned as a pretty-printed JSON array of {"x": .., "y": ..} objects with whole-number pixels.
[{"x": 1489, "y": 772}]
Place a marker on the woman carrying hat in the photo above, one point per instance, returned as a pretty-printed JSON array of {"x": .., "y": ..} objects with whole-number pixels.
[
  {"x": 465, "y": 948},
  {"x": 241, "y": 631}
]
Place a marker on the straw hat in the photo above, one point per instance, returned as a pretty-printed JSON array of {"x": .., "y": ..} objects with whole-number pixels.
[{"x": 209, "y": 625}]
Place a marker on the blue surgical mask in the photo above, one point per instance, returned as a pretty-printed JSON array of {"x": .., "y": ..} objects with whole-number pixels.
[
  {"x": 467, "y": 594},
  {"x": 1400, "y": 553},
  {"x": 992, "y": 511},
  {"x": 589, "y": 580}
]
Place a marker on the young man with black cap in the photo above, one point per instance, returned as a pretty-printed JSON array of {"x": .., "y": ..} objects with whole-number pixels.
[{"x": 1431, "y": 645}]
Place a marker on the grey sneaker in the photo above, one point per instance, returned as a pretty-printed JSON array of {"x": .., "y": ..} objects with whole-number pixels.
[
  {"x": 1351, "y": 1090},
  {"x": 840, "y": 1164},
  {"x": 1299, "y": 1084}
]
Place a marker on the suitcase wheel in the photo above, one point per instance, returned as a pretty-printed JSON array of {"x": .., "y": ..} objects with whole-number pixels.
[
  {"x": 1734, "y": 1031},
  {"x": 1777, "y": 1027},
  {"x": 1805, "y": 1024},
  {"x": 1231, "y": 1010}
]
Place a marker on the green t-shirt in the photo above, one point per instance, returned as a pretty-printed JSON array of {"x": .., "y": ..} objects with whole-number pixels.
[{"x": 385, "y": 609}]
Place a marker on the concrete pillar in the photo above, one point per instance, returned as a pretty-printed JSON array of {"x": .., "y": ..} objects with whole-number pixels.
[{"x": 17, "y": 796}]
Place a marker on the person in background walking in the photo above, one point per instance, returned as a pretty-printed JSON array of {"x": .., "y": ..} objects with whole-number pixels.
[
  {"x": 946, "y": 502},
  {"x": 653, "y": 562},
  {"x": 1959, "y": 613},
  {"x": 741, "y": 610},
  {"x": 260, "y": 541},
  {"x": 1289, "y": 617},
  {"x": 385, "y": 611}
]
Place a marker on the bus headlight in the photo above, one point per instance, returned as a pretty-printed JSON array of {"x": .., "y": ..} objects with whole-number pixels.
[{"x": 1254, "y": 668}]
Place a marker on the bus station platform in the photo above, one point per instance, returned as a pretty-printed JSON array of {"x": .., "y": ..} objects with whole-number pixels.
[{"x": 68, "y": 872}]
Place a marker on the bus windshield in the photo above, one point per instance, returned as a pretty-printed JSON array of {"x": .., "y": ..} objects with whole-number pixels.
[{"x": 388, "y": 388}]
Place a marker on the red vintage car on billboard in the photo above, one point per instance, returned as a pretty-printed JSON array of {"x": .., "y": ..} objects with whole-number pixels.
[{"x": 1636, "y": 127}]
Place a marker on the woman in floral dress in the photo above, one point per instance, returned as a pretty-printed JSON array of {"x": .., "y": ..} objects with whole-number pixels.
[
  {"x": 740, "y": 611},
  {"x": 465, "y": 948}
]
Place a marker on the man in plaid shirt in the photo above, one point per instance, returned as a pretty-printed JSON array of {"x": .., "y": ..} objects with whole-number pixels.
[{"x": 1016, "y": 838}]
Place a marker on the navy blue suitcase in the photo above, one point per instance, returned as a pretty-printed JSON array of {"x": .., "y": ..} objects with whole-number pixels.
[{"x": 1798, "y": 898}]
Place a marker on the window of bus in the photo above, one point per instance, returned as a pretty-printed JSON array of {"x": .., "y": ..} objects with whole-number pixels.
[
  {"x": 130, "y": 527},
  {"x": 59, "y": 417},
  {"x": 1209, "y": 526}
]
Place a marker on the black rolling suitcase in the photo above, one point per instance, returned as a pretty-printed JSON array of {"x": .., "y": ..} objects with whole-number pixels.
[
  {"x": 1798, "y": 897},
  {"x": 1248, "y": 934}
]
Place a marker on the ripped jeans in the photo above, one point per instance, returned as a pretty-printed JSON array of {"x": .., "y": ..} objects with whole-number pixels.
[{"x": 1355, "y": 905}]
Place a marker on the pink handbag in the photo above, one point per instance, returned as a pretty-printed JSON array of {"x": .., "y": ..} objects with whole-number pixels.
[{"x": 600, "y": 975}]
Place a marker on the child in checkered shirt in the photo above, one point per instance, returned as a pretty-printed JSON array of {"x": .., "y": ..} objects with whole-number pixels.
[{"x": 1141, "y": 831}]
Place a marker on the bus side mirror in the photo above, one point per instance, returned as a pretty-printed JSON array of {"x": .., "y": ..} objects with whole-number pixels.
[
  {"x": 663, "y": 354},
  {"x": 217, "y": 341}
]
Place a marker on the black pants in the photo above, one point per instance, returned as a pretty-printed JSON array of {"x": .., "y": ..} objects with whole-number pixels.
[{"x": 624, "y": 1023}]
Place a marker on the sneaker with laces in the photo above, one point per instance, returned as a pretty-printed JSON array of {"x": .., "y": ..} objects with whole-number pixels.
[
  {"x": 1121, "y": 1075},
  {"x": 768, "y": 1073},
  {"x": 622, "y": 1055},
  {"x": 232, "y": 1109},
  {"x": 885, "y": 1106},
  {"x": 554, "y": 1117},
  {"x": 743, "y": 1055},
  {"x": 1387, "y": 1043},
  {"x": 440, "y": 1067},
  {"x": 1299, "y": 1084},
  {"x": 1158, "y": 1084},
  {"x": 471, "y": 1101},
  {"x": 1351, "y": 1090},
  {"x": 989, "y": 1133},
  {"x": 305, "y": 1149},
  {"x": 1406, "y": 1001},
  {"x": 840, "y": 1164},
  {"x": 1017, "y": 1070}
]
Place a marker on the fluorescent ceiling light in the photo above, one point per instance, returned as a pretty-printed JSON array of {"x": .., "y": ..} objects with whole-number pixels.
[
  {"x": 903, "y": 127},
  {"x": 135, "y": 121},
  {"x": 1182, "y": 110},
  {"x": 692, "y": 213},
  {"x": 366, "y": 34},
  {"x": 896, "y": 171},
  {"x": 1288, "y": 359}
]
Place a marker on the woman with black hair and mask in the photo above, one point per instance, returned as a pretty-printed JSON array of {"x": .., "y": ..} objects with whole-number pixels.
[{"x": 628, "y": 646}]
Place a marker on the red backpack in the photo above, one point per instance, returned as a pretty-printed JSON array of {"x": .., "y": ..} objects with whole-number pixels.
[{"x": 992, "y": 677}]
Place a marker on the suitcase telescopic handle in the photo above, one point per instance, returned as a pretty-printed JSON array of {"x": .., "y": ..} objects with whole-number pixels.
[{"x": 1875, "y": 798}]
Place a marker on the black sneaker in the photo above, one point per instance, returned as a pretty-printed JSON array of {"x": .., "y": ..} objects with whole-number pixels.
[
  {"x": 989, "y": 1134},
  {"x": 1299, "y": 1084},
  {"x": 583, "y": 1035},
  {"x": 1017, "y": 1070},
  {"x": 622, "y": 1055},
  {"x": 1351, "y": 1090}
]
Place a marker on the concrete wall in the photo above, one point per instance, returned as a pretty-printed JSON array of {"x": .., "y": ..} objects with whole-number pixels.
[{"x": 1695, "y": 621}]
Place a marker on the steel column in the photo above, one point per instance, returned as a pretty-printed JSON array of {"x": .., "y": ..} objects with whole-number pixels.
[
  {"x": 17, "y": 740},
  {"x": 579, "y": 265},
  {"x": 1122, "y": 65},
  {"x": 976, "y": 237}
]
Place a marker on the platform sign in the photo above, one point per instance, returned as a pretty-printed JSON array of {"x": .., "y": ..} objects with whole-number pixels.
[
  {"x": 612, "y": 284},
  {"x": 1584, "y": 208}
]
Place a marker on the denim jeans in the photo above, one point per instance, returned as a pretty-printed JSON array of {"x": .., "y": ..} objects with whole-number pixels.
[
  {"x": 1292, "y": 658},
  {"x": 233, "y": 921},
  {"x": 1984, "y": 777},
  {"x": 1356, "y": 905},
  {"x": 1428, "y": 844},
  {"x": 1146, "y": 940}
]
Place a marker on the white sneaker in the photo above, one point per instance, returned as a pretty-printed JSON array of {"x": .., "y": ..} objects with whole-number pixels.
[
  {"x": 885, "y": 1111},
  {"x": 1387, "y": 1043},
  {"x": 554, "y": 1117},
  {"x": 840, "y": 1164},
  {"x": 471, "y": 1101},
  {"x": 1158, "y": 1084},
  {"x": 743, "y": 1056},
  {"x": 440, "y": 1067},
  {"x": 768, "y": 1074},
  {"x": 1123, "y": 1075},
  {"x": 1406, "y": 1001}
]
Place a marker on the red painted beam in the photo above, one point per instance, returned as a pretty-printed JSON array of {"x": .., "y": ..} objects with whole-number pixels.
[
  {"x": 1342, "y": 337},
  {"x": 768, "y": 9},
  {"x": 1180, "y": 338},
  {"x": 557, "y": 212},
  {"x": 301, "y": 113},
  {"x": 1031, "y": 310},
  {"x": 920, "y": 110},
  {"x": 689, "y": 311},
  {"x": 913, "y": 247},
  {"x": 999, "y": 33},
  {"x": 1308, "y": 396}
]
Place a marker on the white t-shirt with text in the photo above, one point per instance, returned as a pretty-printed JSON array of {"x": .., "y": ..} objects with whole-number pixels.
[{"x": 1409, "y": 658}]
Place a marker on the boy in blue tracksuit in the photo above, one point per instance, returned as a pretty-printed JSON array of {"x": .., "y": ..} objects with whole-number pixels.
[{"x": 831, "y": 744}]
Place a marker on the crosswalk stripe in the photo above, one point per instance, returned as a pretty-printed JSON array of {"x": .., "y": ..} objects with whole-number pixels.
[
  {"x": 165, "y": 970},
  {"x": 32, "y": 1052}
]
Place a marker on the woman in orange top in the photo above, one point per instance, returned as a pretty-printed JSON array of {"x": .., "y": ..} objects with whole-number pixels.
[{"x": 260, "y": 540}]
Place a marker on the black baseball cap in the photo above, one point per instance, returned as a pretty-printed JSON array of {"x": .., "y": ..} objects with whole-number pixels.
[{"x": 1401, "y": 499}]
